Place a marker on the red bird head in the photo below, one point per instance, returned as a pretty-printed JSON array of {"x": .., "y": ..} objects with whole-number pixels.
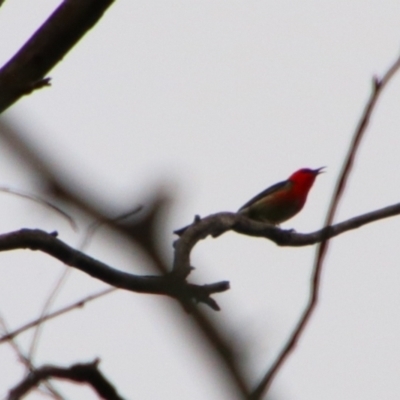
[{"x": 305, "y": 177}]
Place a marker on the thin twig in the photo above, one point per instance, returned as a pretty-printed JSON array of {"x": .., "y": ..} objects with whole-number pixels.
[
  {"x": 378, "y": 86},
  {"x": 97, "y": 224},
  {"x": 92, "y": 229},
  {"x": 52, "y": 391},
  {"x": 66, "y": 271},
  {"x": 78, "y": 304},
  {"x": 46, "y": 307},
  {"x": 22, "y": 358},
  {"x": 41, "y": 201}
]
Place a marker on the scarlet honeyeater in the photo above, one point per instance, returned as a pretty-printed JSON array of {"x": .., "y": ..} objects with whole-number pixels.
[{"x": 283, "y": 200}]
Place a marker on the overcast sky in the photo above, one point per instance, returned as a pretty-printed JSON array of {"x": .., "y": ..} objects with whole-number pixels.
[{"x": 215, "y": 101}]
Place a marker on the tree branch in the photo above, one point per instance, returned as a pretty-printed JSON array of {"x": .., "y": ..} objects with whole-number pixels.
[
  {"x": 26, "y": 361},
  {"x": 35, "y": 239},
  {"x": 78, "y": 304},
  {"x": 170, "y": 284},
  {"x": 26, "y": 71},
  {"x": 378, "y": 86},
  {"x": 226, "y": 221},
  {"x": 82, "y": 373}
]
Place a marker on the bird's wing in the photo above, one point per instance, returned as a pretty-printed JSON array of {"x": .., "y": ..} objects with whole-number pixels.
[{"x": 266, "y": 192}]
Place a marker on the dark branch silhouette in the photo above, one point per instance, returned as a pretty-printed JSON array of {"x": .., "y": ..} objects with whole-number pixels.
[
  {"x": 378, "y": 86},
  {"x": 163, "y": 285},
  {"x": 170, "y": 284},
  {"x": 26, "y": 71},
  {"x": 80, "y": 373},
  {"x": 226, "y": 221}
]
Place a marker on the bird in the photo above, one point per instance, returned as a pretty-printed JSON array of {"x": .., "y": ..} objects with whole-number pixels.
[{"x": 281, "y": 201}]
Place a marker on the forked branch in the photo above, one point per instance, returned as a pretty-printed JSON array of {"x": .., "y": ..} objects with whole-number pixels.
[
  {"x": 169, "y": 285},
  {"x": 80, "y": 373},
  {"x": 378, "y": 86}
]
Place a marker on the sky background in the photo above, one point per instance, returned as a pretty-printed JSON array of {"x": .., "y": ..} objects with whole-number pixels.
[{"x": 214, "y": 101}]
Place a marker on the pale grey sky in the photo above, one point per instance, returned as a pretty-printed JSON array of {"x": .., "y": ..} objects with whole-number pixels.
[{"x": 217, "y": 100}]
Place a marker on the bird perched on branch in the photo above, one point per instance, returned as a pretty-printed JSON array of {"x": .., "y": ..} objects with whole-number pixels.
[{"x": 283, "y": 200}]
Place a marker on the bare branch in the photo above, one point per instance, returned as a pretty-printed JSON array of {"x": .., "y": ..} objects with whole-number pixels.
[
  {"x": 226, "y": 221},
  {"x": 42, "y": 201},
  {"x": 64, "y": 310},
  {"x": 26, "y": 71},
  {"x": 82, "y": 373},
  {"x": 27, "y": 362},
  {"x": 163, "y": 285},
  {"x": 378, "y": 86},
  {"x": 46, "y": 307},
  {"x": 38, "y": 323},
  {"x": 169, "y": 284},
  {"x": 97, "y": 224}
]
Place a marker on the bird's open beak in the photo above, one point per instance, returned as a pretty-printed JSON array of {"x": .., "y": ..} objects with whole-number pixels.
[{"x": 319, "y": 171}]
